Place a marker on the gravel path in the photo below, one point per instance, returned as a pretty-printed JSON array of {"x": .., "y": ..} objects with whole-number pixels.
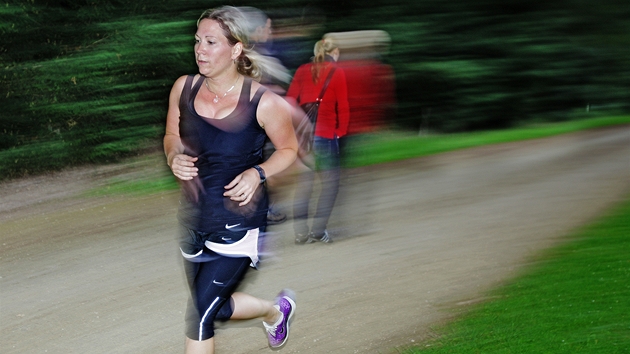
[{"x": 416, "y": 242}]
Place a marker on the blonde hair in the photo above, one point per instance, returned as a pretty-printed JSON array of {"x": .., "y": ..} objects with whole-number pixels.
[
  {"x": 323, "y": 47},
  {"x": 234, "y": 26}
]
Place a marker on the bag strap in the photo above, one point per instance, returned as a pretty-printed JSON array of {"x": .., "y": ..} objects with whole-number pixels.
[{"x": 321, "y": 94}]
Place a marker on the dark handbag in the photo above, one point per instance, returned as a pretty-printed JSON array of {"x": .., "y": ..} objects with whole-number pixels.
[{"x": 305, "y": 130}]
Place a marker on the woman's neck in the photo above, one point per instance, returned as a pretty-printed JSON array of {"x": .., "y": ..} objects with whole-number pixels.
[
  {"x": 221, "y": 89},
  {"x": 222, "y": 84}
]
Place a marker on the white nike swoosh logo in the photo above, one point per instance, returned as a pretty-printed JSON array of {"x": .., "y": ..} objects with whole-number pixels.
[
  {"x": 231, "y": 226},
  {"x": 217, "y": 282}
]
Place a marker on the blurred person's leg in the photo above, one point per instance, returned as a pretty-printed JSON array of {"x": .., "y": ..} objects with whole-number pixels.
[
  {"x": 355, "y": 209},
  {"x": 329, "y": 172},
  {"x": 303, "y": 192}
]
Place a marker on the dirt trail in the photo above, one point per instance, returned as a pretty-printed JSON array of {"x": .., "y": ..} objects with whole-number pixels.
[{"x": 415, "y": 242}]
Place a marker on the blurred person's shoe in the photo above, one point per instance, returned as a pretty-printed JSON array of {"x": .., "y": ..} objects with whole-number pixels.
[
  {"x": 301, "y": 239},
  {"x": 274, "y": 218},
  {"x": 325, "y": 238},
  {"x": 278, "y": 333}
]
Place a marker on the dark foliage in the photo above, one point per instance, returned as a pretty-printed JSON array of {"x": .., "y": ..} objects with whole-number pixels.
[{"x": 88, "y": 81}]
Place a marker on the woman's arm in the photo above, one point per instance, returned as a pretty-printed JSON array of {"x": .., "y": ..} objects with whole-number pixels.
[
  {"x": 183, "y": 166},
  {"x": 343, "y": 107},
  {"x": 274, "y": 115}
]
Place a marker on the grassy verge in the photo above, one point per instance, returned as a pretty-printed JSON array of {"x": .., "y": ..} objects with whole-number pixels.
[
  {"x": 576, "y": 299},
  {"x": 392, "y": 146},
  {"x": 135, "y": 187}
]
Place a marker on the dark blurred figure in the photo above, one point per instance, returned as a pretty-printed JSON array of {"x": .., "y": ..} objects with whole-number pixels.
[
  {"x": 372, "y": 100},
  {"x": 293, "y": 33},
  {"x": 330, "y": 125},
  {"x": 277, "y": 79}
]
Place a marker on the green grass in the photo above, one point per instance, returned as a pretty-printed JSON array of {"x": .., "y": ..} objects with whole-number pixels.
[
  {"x": 392, "y": 146},
  {"x": 136, "y": 187},
  {"x": 575, "y": 299}
]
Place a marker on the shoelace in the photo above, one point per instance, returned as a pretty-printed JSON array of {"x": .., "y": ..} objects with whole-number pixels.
[{"x": 271, "y": 329}]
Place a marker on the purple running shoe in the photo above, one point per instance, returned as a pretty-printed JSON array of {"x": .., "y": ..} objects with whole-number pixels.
[{"x": 278, "y": 333}]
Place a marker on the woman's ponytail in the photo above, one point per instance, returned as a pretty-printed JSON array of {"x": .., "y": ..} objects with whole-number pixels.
[{"x": 322, "y": 48}]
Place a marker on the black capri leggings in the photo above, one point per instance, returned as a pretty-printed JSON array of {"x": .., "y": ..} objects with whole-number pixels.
[{"x": 212, "y": 283}]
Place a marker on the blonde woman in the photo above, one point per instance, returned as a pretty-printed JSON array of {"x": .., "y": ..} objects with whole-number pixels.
[
  {"x": 331, "y": 124},
  {"x": 216, "y": 125}
]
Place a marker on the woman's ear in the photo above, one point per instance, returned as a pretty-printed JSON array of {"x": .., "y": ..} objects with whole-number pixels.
[{"x": 237, "y": 50}]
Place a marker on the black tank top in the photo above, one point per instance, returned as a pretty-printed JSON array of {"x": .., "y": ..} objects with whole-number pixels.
[{"x": 225, "y": 148}]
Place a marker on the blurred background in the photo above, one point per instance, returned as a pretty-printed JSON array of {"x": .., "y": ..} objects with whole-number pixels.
[{"x": 87, "y": 81}]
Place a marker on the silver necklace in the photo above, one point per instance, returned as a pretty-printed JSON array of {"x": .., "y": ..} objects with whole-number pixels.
[{"x": 216, "y": 97}]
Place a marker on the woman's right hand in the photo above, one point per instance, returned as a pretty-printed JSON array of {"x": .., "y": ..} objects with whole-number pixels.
[{"x": 183, "y": 167}]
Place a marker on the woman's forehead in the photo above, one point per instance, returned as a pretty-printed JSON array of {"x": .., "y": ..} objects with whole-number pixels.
[{"x": 209, "y": 27}]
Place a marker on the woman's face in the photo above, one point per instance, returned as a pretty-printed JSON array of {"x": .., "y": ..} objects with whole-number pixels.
[
  {"x": 213, "y": 53},
  {"x": 335, "y": 54}
]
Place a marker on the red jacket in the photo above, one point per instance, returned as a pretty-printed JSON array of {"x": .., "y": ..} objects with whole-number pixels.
[
  {"x": 334, "y": 112},
  {"x": 371, "y": 94}
]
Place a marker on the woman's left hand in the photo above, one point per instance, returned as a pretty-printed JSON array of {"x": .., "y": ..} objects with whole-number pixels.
[{"x": 243, "y": 186}]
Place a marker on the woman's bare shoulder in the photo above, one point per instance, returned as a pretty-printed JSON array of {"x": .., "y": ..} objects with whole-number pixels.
[{"x": 271, "y": 105}]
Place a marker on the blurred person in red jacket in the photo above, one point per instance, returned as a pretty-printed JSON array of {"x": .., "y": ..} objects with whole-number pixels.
[
  {"x": 372, "y": 101},
  {"x": 370, "y": 82},
  {"x": 331, "y": 125}
]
